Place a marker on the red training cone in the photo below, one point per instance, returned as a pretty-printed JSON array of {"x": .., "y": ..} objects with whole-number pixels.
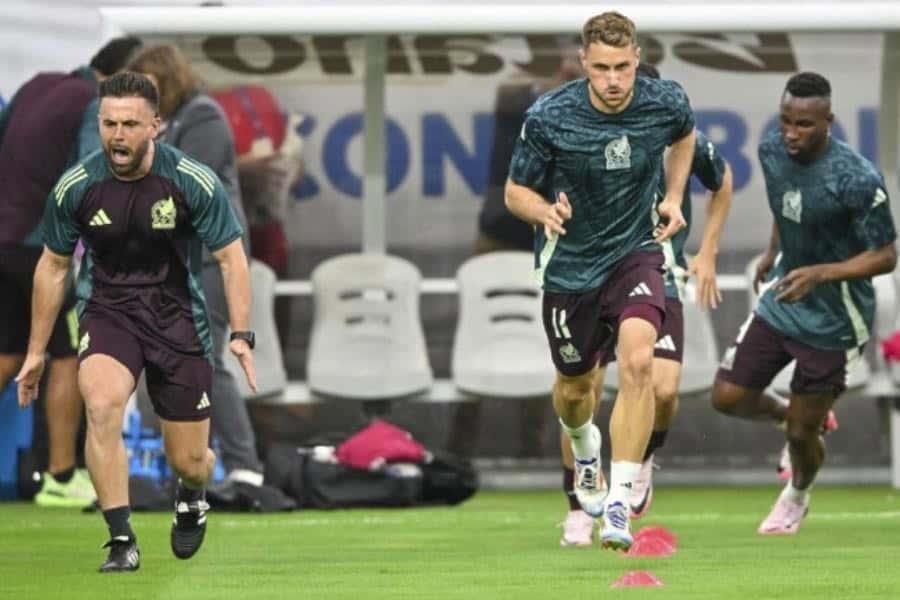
[
  {"x": 658, "y": 532},
  {"x": 637, "y": 579},
  {"x": 650, "y": 546}
]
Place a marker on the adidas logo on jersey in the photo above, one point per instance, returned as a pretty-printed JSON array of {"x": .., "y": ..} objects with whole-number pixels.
[
  {"x": 641, "y": 289},
  {"x": 204, "y": 402},
  {"x": 666, "y": 343},
  {"x": 100, "y": 218}
]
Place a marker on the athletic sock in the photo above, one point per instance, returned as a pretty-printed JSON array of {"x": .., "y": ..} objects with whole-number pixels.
[
  {"x": 64, "y": 476},
  {"x": 657, "y": 440},
  {"x": 118, "y": 522},
  {"x": 583, "y": 443},
  {"x": 622, "y": 475},
  {"x": 569, "y": 488},
  {"x": 186, "y": 494},
  {"x": 796, "y": 496}
]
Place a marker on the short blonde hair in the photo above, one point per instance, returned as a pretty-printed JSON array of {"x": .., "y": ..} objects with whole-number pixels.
[{"x": 610, "y": 28}]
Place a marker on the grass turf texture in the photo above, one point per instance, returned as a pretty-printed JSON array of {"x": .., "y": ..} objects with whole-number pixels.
[{"x": 498, "y": 545}]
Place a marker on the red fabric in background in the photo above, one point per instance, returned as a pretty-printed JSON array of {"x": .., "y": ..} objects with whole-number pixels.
[
  {"x": 380, "y": 443},
  {"x": 269, "y": 244},
  {"x": 890, "y": 348}
]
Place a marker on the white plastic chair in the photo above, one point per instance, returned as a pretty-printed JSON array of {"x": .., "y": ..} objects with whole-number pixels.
[
  {"x": 367, "y": 340},
  {"x": 271, "y": 377},
  {"x": 881, "y": 384},
  {"x": 500, "y": 349}
]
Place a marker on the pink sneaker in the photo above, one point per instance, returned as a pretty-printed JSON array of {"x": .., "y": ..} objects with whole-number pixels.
[
  {"x": 784, "y": 463},
  {"x": 642, "y": 490},
  {"x": 578, "y": 529},
  {"x": 784, "y": 519}
]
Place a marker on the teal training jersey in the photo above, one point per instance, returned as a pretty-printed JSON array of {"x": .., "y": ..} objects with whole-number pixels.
[
  {"x": 143, "y": 239},
  {"x": 708, "y": 167},
  {"x": 609, "y": 166},
  {"x": 827, "y": 211}
]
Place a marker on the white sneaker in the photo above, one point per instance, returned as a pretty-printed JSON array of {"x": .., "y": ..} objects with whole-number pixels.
[
  {"x": 642, "y": 490},
  {"x": 590, "y": 486},
  {"x": 578, "y": 529},
  {"x": 616, "y": 533}
]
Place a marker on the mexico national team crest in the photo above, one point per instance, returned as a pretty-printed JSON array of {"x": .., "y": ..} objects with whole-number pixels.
[
  {"x": 618, "y": 154},
  {"x": 569, "y": 353},
  {"x": 162, "y": 214},
  {"x": 792, "y": 205}
]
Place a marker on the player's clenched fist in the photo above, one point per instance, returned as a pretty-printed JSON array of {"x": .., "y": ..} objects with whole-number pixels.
[{"x": 556, "y": 214}]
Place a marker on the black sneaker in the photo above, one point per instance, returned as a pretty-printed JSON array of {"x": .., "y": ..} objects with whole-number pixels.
[
  {"x": 188, "y": 528},
  {"x": 123, "y": 556}
]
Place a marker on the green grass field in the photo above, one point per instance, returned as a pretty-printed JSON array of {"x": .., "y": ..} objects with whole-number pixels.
[{"x": 498, "y": 545}]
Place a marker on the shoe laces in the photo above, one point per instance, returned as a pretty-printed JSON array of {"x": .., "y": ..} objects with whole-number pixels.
[
  {"x": 587, "y": 474},
  {"x": 617, "y": 515}
]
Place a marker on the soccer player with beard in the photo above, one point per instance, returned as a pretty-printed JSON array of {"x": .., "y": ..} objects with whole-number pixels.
[
  {"x": 142, "y": 209},
  {"x": 832, "y": 233},
  {"x": 586, "y": 172}
]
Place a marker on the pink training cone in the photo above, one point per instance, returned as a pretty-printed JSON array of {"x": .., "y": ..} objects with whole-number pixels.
[
  {"x": 658, "y": 532},
  {"x": 650, "y": 546},
  {"x": 637, "y": 579}
]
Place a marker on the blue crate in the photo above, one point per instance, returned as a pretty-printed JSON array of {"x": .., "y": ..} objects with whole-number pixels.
[{"x": 16, "y": 427}]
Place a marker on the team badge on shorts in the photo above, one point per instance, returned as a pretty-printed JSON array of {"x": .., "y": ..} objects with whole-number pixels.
[
  {"x": 162, "y": 214},
  {"x": 618, "y": 154},
  {"x": 569, "y": 353},
  {"x": 792, "y": 205}
]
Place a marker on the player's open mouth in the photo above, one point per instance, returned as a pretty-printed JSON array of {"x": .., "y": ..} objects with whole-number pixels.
[{"x": 120, "y": 156}]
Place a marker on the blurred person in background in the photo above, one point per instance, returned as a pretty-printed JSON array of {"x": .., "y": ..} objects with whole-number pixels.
[
  {"x": 498, "y": 230},
  {"x": 711, "y": 170},
  {"x": 832, "y": 232},
  {"x": 194, "y": 123},
  {"x": 270, "y": 163},
  {"x": 50, "y": 123}
]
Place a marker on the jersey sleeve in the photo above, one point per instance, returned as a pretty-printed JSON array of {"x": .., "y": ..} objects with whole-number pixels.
[
  {"x": 532, "y": 155},
  {"x": 708, "y": 165},
  {"x": 869, "y": 203},
  {"x": 683, "y": 118},
  {"x": 211, "y": 214},
  {"x": 58, "y": 225}
]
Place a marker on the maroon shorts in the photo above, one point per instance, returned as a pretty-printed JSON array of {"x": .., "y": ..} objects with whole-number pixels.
[
  {"x": 17, "y": 265},
  {"x": 670, "y": 341},
  {"x": 581, "y": 328},
  {"x": 179, "y": 383},
  {"x": 761, "y": 352}
]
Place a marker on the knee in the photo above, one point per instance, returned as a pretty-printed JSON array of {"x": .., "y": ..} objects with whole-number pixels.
[
  {"x": 666, "y": 393},
  {"x": 637, "y": 365},
  {"x": 800, "y": 432},
  {"x": 723, "y": 399},
  {"x": 190, "y": 464},
  {"x": 572, "y": 391},
  {"x": 103, "y": 415}
]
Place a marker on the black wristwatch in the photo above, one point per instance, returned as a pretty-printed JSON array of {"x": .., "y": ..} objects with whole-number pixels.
[{"x": 247, "y": 336}]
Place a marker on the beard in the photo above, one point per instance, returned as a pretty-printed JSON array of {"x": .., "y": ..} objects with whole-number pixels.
[
  {"x": 612, "y": 102},
  {"x": 133, "y": 166}
]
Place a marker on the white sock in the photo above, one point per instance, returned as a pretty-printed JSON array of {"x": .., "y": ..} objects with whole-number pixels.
[
  {"x": 584, "y": 446},
  {"x": 796, "y": 496},
  {"x": 622, "y": 475}
]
